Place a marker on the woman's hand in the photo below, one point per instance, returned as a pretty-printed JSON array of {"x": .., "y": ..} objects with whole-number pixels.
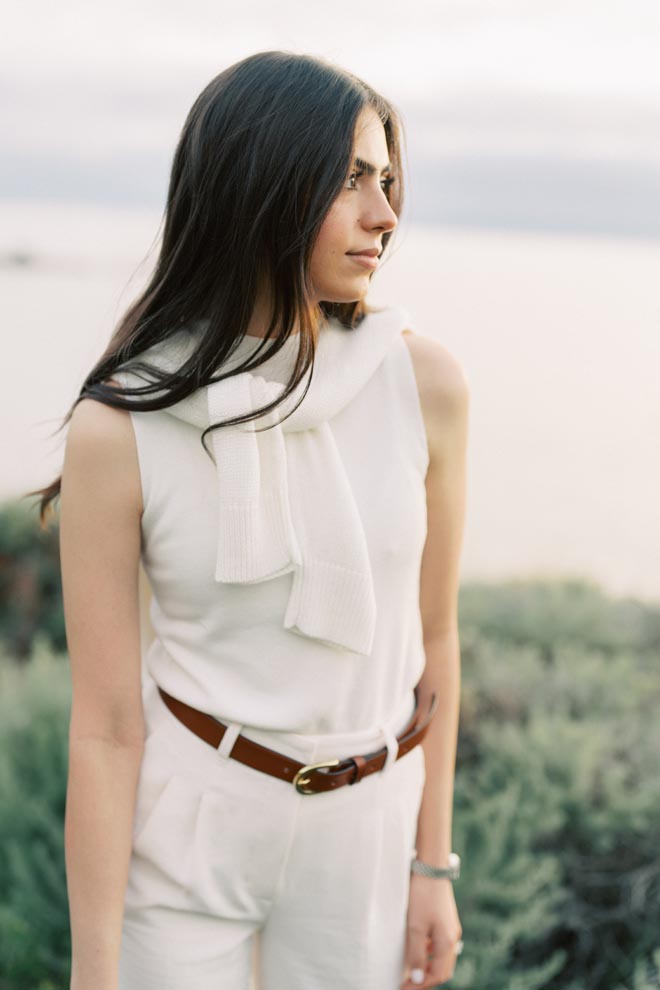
[{"x": 432, "y": 930}]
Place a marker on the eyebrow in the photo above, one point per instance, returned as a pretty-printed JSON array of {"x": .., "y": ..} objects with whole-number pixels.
[{"x": 369, "y": 168}]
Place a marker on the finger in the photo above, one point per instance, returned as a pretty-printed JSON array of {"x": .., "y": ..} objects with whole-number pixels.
[
  {"x": 441, "y": 971},
  {"x": 443, "y": 958},
  {"x": 410, "y": 984},
  {"x": 418, "y": 942}
]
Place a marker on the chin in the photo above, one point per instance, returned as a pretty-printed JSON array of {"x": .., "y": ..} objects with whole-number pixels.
[{"x": 346, "y": 295}]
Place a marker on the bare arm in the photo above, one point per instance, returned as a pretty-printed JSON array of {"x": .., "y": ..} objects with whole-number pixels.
[
  {"x": 444, "y": 395},
  {"x": 101, "y": 505},
  {"x": 433, "y": 925}
]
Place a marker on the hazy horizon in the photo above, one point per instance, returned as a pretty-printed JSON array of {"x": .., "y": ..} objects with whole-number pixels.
[
  {"x": 529, "y": 243},
  {"x": 516, "y": 115},
  {"x": 557, "y": 335}
]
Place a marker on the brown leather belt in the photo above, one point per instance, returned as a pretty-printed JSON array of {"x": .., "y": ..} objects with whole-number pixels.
[{"x": 311, "y": 778}]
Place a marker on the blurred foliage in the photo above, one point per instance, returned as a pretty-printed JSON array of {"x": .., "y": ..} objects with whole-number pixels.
[
  {"x": 30, "y": 581},
  {"x": 550, "y": 614},
  {"x": 557, "y": 792},
  {"x": 35, "y": 942}
]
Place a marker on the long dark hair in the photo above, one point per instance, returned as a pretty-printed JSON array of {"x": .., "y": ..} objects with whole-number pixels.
[{"x": 262, "y": 155}]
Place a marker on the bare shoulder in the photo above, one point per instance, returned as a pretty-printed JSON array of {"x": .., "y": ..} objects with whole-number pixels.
[
  {"x": 101, "y": 453},
  {"x": 100, "y": 547},
  {"x": 442, "y": 383}
]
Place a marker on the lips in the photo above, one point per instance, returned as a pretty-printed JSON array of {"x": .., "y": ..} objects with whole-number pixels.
[
  {"x": 364, "y": 260},
  {"x": 369, "y": 252}
]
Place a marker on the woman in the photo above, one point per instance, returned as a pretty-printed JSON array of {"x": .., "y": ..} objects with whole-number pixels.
[{"x": 303, "y": 558}]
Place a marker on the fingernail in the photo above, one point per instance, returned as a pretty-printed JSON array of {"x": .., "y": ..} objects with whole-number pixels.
[{"x": 417, "y": 976}]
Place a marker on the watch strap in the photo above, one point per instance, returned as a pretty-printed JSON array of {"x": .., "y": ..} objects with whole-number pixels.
[{"x": 452, "y": 871}]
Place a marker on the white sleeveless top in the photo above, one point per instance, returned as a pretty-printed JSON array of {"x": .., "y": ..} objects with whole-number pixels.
[{"x": 222, "y": 646}]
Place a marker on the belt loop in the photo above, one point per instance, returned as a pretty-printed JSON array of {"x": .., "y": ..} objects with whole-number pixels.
[
  {"x": 231, "y": 733},
  {"x": 392, "y": 743}
]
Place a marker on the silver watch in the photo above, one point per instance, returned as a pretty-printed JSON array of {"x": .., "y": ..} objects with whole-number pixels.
[{"x": 452, "y": 871}]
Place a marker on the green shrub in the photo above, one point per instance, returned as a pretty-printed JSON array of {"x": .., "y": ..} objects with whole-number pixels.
[
  {"x": 549, "y": 614},
  {"x": 35, "y": 943},
  {"x": 557, "y": 797},
  {"x": 30, "y": 581},
  {"x": 557, "y": 768}
]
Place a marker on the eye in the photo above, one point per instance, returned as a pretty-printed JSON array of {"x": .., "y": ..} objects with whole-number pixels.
[{"x": 385, "y": 183}]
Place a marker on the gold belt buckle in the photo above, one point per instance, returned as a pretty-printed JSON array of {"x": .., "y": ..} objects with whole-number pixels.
[{"x": 299, "y": 780}]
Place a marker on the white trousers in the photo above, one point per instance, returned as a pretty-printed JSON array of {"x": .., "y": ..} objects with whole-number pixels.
[{"x": 237, "y": 881}]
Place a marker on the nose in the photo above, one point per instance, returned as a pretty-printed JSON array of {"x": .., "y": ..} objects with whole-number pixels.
[{"x": 379, "y": 214}]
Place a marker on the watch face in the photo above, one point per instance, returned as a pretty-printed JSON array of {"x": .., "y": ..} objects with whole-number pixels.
[{"x": 455, "y": 864}]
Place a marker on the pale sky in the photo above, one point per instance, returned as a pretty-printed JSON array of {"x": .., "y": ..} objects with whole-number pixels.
[
  {"x": 96, "y": 93},
  {"x": 537, "y": 115},
  {"x": 135, "y": 65}
]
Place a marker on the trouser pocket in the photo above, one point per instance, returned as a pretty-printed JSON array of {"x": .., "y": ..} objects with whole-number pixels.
[{"x": 209, "y": 834}]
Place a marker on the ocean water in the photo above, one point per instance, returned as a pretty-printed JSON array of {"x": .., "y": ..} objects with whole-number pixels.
[{"x": 557, "y": 334}]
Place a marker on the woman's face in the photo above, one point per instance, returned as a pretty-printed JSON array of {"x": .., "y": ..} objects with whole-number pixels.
[{"x": 357, "y": 220}]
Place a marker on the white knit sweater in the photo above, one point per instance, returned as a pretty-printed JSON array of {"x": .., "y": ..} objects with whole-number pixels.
[{"x": 284, "y": 500}]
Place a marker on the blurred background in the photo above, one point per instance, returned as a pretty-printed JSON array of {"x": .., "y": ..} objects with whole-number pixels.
[
  {"x": 529, "y": 243},
  {"x": 530, "y": 247}
]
